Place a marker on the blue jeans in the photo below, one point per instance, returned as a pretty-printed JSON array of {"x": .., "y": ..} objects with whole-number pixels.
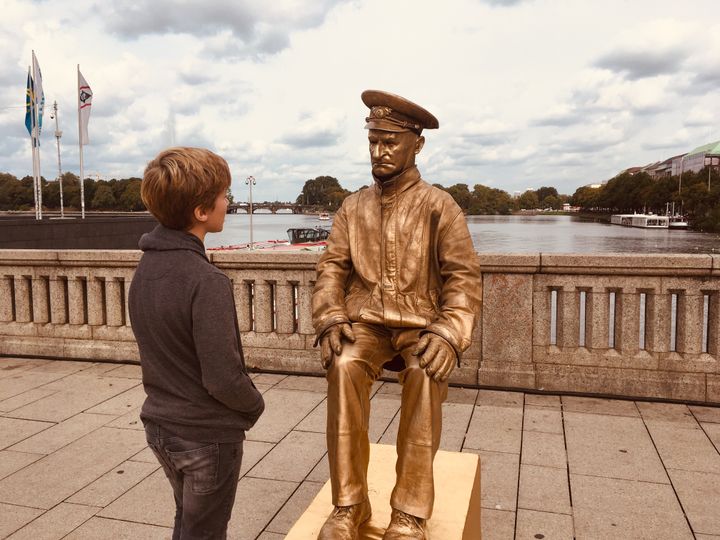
[{"x": 204, "y": 479}]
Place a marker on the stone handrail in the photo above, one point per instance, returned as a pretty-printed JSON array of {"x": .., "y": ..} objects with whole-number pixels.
[{"x": 621, "y": 325}]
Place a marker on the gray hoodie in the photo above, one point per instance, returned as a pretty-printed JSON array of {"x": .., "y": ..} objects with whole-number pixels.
[{"x": 183, "y": 315}]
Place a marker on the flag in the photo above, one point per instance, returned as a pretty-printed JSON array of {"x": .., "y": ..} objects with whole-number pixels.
[
  {"x": 29, "y": 100},
  {"x": 39, "y": 93},
  {"x": 84, "y": 105}
]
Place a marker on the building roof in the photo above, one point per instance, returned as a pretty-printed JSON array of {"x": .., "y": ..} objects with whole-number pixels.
[{"x": 712, "y": 148}]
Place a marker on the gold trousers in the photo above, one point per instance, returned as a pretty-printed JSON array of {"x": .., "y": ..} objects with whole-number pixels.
[{"x": 350, "y": 378}]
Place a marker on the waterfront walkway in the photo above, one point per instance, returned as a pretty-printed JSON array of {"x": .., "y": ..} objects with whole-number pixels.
[{"x": 73, "y": 461}]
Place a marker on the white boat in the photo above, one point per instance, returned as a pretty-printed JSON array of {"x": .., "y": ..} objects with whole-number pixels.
[
  {"x": 324, "y": 216},
  {"x": 678, "y": 223},
  {"x": 643, "y": 221}
]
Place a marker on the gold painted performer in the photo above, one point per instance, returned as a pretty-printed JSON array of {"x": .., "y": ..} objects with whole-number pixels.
[{"x": 399, "y": 283}]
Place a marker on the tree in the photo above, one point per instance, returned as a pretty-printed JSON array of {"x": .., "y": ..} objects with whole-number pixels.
[
  {"x": 323, "y": 191},
  {"x": 544, "y": 192},
  {"x": 461, "y": 194},
  {"x": 103, "y": 198},
  {"x": 528, "y": 200}
]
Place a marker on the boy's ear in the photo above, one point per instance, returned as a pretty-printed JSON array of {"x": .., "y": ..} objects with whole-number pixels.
[{"x": 200, "y": 214}]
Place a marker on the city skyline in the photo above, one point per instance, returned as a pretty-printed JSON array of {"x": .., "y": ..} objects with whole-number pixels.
[{"x": 528, "y": 92}]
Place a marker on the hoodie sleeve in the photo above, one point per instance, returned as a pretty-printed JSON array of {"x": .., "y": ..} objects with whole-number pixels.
[{"x": 218, "y": 347}]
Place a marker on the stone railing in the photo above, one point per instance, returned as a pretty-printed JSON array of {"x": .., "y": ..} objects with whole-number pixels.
[{"x": 622, "y": 325}]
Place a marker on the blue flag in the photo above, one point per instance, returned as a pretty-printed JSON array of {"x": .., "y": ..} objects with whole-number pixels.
[{"x": 29, "y": 110}]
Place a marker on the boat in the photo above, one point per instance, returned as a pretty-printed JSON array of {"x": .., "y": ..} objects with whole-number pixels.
[
  {"x": 324, "y": 216},
  {"x": 678, "y": 223},
  {"x": 643, "y": 221},
  {"x": 299, "y": 239}
]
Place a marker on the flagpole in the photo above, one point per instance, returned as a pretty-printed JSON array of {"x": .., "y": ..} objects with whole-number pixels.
[
  {"x": 80, "y": 141},
  {"x": 36, "y": 108}
]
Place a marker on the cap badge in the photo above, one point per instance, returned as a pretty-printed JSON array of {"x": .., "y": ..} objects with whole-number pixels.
[{"x": 380, "y": 112}]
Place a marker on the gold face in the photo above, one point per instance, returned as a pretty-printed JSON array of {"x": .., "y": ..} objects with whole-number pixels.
[{"x": 393, "y": 152}]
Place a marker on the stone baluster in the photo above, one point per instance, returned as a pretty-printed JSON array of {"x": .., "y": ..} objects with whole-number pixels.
[
  {"x": 597, "y": 310},
  {"x": 263, "y": 307},
  {"x": 305, "y": 325},
  {"x": 23, "y": 303},
  {"x": 95, "y": 301},
  {"x": 40, "y": 294},
  {"x": 568, "y": 317},
  {"x": 285, "y": 308},
  {"x": 6, "y": 298},
  {"x": 76, "y": 300},
  {"x": 58, "y": 299},
  {"x": 627, "y": 327},
  {"x": 243, "y": 307},
  {"x": 657, "y": 321},
  {"x": 114, "y": 302},
  {"x": 690, "y": 308}
]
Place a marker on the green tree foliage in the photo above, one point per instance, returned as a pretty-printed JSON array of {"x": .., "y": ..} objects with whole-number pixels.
[
  {"x": 641, "y": 193},
  {"x": 119, "y": 195},
  {"x": 528, "y": 200},
  {"x": 323, "y": 191},
  {"x": 104, "y": 199}
]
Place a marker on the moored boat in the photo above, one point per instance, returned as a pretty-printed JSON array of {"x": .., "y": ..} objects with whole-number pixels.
[{"x": 643, "y": 221}]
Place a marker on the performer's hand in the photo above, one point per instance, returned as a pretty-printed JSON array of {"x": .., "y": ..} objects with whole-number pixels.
[
  {"x": 331, "y": 342},
  {"x": 437, "y": 356}
]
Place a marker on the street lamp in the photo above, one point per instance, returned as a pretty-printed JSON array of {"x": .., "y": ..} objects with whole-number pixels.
[{"x": 250, "y": 181}]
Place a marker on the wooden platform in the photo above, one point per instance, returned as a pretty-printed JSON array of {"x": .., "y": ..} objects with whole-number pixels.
[{"x": 456, "y": 515}]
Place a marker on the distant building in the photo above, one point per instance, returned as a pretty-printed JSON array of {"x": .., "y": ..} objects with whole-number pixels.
[
  {"x": 677, "y": 162},
  {"x": 696, "y": 159}
]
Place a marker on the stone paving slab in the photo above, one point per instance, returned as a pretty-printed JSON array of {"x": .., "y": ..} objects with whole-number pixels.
[
  {"x": 74, "y": 462},
  {"x": 55, "y": 523}
]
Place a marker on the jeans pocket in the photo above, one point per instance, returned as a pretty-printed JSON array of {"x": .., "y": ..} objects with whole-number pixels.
[{"x": 199, "y": 465}]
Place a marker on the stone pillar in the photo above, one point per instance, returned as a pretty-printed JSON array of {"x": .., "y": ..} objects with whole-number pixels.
[
  {"x": 76, "y": 300},
  {"x": 285, "y": 308},
  {"x": 690, "y": 307},
  {"x": 568, "y": 318},
  {"x": 507, "y": 337},
  {"x": 305, "y": 325},
  {"x": 23, "y": 307},
  {"x": 40, "y": 293},
  {"x": 657, "y": 321},
  {"x": 95, "y": 301},
  {"x": 58, "y": 307},
  {"x": 241, "y": 289},
  {"x": 263, "y": 307},
  {"x": 597, "y": 309},
  {"x": 627, "y": 329},
  {"x": 113, "y": 302},
  {"x": 714, "y": 325},
  {"x": 6, "y": 298}
]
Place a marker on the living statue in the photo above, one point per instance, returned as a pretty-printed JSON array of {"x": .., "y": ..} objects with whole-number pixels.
[{"x": 399, "y": 285}]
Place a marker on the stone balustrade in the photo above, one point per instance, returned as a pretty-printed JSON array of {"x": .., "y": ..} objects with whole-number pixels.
[{"x": 621, "y": 325}]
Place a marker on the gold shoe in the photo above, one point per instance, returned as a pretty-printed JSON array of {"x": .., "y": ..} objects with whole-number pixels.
[
  {"x": 405, "y": 527},
  {"x": 344, "y": 522}
]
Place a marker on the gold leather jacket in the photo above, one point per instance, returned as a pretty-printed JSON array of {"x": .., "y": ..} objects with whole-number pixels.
[{"x": 400, "y": 255}]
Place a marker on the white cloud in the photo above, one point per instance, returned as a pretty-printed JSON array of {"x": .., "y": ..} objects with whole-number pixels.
[{"x": 528, "y": 93}]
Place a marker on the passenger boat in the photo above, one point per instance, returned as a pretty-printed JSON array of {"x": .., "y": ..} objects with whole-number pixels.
[
  {"x": 299, "y": 239},
  {"x": 678, "y": 223},
  {"x": 643, "y": 221}
]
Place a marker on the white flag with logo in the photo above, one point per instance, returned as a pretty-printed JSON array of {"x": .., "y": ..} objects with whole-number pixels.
[{"x": 84, "y": 105}]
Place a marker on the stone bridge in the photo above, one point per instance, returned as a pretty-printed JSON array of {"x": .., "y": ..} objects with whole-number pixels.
[{"x": 275, "y": 207}]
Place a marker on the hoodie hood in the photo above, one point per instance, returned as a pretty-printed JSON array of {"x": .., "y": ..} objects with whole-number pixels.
[{"x": 163, "y": 239}]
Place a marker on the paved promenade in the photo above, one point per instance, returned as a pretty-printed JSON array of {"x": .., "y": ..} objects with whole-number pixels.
[{"x": 73, "y": 461}]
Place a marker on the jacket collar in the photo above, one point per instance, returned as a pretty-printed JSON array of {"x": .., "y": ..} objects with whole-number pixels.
[
  {"x": 163, "y": 239},
  {"x": 399, "y": 183}
]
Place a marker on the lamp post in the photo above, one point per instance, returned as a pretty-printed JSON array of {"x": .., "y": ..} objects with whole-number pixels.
[
  {"x": 250, "y": 181},
  {"x": 58, "y": 134}
]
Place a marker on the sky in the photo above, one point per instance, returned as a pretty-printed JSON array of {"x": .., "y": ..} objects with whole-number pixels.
[{"x": 528, "y": 93}]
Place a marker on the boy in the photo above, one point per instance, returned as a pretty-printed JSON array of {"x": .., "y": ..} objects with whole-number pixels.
[{"x": 200, "y": 399}]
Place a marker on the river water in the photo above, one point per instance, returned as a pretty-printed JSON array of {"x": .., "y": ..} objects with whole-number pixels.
[{"x": 504, "y": 234}]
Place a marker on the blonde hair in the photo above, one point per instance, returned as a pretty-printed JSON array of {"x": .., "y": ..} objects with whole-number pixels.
[{"x": 180, "y": 179}]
